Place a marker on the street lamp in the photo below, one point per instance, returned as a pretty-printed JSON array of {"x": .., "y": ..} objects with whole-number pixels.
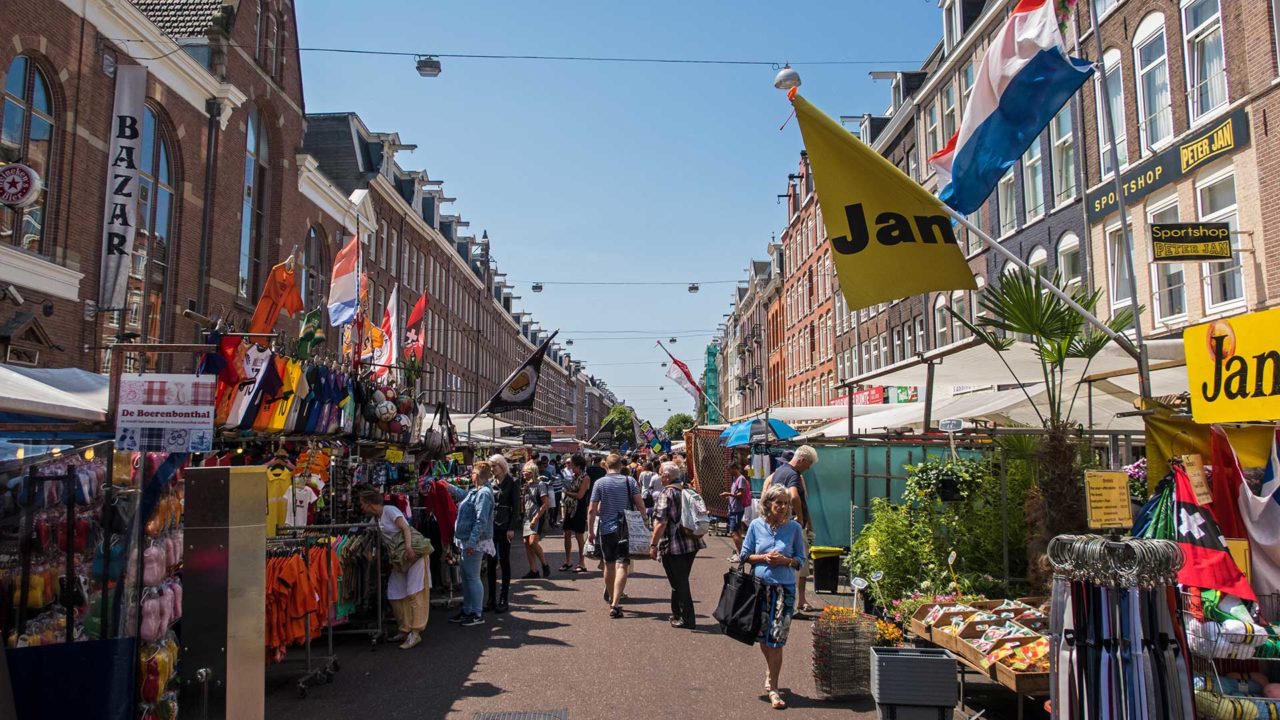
[
  {"x": 428, "y": 66},
  {"x": 693, "y": 287},
  {"x": 786, "y": 78},
  {"x": 537, "y": 287},
  {"x": 672, "y": 341}
]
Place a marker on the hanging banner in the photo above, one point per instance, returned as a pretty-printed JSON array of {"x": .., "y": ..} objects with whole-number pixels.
[
  {"x": 1179, "y": 242},
  {"x": 1233, "y": 368},
  {"x": 120, "y": 217},
  {"x": 166, "y": 413}
]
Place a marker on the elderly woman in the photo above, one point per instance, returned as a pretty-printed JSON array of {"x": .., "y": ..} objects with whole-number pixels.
[
  {"x": 407, "y": 584},
  {"x": 473, "y": 534},
  {"x": 537, "y": 506},
  {"x": 775, "y": 547},
  {"x": 676, "y": 548}
]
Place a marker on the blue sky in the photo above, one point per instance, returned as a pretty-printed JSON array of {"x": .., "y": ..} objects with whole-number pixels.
[{"x": 606, "y": 171}]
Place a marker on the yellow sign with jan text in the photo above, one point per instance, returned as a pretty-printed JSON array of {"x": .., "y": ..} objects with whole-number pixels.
[
  {"x": 1233, "y": 368},
  {"x": 1107, "y": 499},
  {"x": 889, "y": 237}
]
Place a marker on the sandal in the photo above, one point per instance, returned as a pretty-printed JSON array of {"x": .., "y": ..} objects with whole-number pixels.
[
  {"x": 615, "y": 612},
  {"x": 566, "y": 567},
  {"x": 579, "y": 569},
  {"x": 807, "y": 608},
  {"x": 775, "y": 699}
]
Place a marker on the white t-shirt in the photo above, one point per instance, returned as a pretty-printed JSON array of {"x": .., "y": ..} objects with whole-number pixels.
[
  {"x": 299, "y": 501},
  {"x": 387, "y": 521},
  {"x": 401, "y": 583},
  {"x": 255, "y": 359},
  {"x": 655, "y": 484}
]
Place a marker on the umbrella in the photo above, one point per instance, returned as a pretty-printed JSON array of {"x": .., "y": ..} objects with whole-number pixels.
[{"x": 759, "y": 430}]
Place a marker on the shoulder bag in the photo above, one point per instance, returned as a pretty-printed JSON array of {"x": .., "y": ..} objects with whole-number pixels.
[{"x": 738, "y": 611}]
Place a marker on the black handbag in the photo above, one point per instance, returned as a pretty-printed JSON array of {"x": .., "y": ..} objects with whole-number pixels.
[{"x": 738, "y": 611}]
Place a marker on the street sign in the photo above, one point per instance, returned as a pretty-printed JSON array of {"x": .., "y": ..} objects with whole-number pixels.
[
  {"x": 951, "y": 425},
  {"x": 537, "y": 436}
]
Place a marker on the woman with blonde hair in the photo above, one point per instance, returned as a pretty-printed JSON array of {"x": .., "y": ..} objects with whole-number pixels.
[
  {"x": 537, "y": 504},
  {"x": 473, "y": 534},
  {"x": 408, "y": 584},
  {"x": 774, "y": 546}
]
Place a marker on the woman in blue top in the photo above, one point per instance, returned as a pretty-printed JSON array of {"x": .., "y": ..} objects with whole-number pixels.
[
  {"x": 774, "y": 545},
  {"x": 473, "y": 534}
]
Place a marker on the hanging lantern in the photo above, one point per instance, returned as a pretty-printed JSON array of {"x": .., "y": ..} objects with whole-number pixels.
[
  {"x": 537, "y": 287},
  {"x": 693, "y": 287}
]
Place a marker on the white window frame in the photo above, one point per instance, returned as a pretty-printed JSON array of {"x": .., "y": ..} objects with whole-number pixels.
[
  {"x": 898, "y": 355},
  {"x": 1115, "y": 265},
  {"x": 958, "y": 330},
  {"x": 1038, "y": 259},
  {"x": 941, "y": 322},
  {"x": 1151, "y": 28},
  {"x": 1191, "y": 37},
  {"x": 1070, "y": 242},
  {"x": 1108, "y": 6},
  {"x": 1209, "y": 270},
  {"x": 1061, "y": 147},
  {"x": 951, "y": 30},
  {"x": 966, "y": 84},
  {"x": 931, "y": 130},
  {"x": 949, "y": 112},
  {"x": 1115, "y": 79},
  {"x": 1033, "y": 181},
  {"x": 1007, "y": 208},
  {"x": 1158, "y": 269},
  {"x": 884, "y": 350}
]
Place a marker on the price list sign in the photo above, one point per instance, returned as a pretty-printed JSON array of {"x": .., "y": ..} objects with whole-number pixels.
[{"x": 1107, "y": 496}]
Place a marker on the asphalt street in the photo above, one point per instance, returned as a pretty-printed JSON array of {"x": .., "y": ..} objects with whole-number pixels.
[{"x": 558, "y": 654}]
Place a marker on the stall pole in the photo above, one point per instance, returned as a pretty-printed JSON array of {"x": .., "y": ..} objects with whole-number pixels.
[
  {"x": 928, "y": 400},
  {"x": 68, "y": 603}
]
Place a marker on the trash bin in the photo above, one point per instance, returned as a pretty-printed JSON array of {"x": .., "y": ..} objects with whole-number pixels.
[{"x": 826, "y": 568}]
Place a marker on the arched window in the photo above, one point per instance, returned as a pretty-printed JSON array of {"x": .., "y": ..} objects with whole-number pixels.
[
  {"x": 1070, "y": 261},
  {"x": 314, "y": 259},
  {"x": 941, "y": 321},
  {"x": 26, "y": 135},
  {"x": 978, "y": 311},
  {"x": 1038, "y": 258},
  {"x": 253, "y": 216},
  {"x": 151, "y": 248},
  {"x": 1151, "y": 66}
]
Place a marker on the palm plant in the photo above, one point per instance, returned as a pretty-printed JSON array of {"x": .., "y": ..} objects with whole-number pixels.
[{"x": 1019, "y": 308}]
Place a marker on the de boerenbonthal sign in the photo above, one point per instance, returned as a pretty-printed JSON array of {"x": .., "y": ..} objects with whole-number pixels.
[
  {"x": 1233, "y": 368},
  {"x": 1220, "y": 138}
]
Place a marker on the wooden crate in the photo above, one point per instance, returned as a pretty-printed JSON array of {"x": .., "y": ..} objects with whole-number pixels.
[{"x": 1024, "y": 683}]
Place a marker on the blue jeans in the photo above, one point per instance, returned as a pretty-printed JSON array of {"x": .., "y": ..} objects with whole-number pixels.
[{"x": 472, "y": 589}]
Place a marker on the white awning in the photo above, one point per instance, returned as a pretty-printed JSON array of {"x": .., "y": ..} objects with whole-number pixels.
[
  {"x": 801, "y": 417},
  {"x": 59, "y": 393}
]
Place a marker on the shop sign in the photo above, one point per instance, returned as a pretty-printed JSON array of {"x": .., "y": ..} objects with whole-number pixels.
[
  {"x": 841, "y": 400},
  {"x": 1226, "y": 136},
  {"x": 903, "y": 393},
  {"x": 510, "y": 431},
  {"x": 1179, "y": 242},
  {"x": 873, "y": 395},
  {"x": 166, "y": 413},
  {"x": 19, "y": 185},
  {"x": 120, "y": 217},
  {"x": 1107, "y": 499},
  {"x": 562, "y": 430},
  {"x": 395, "y": 455},
  {"x": 1233, "y": 368},
  {"x": 536, "y": 436}
]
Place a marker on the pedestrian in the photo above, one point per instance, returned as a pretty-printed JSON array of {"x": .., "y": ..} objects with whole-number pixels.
[
  {"x": 674, "y": 546},
  {"x": 647, "y": 494},
  {"x": 537, "y": 505},
  {"x": 576, "y": 491},
  {"x": 506, "y": 521},
  {"x": 407, "y": 586},
  {"x": 655, "y": 480},
  {"x": 594, "y": 470},
  {"x": 774, "y": 546},
  {"x": 739, "y": 496},
  {"x": 555, "y": 489},
  {"x": 473, "y": 534},
  {"x": 610, "y": 496},
  {"x": 789, "y": 475}
]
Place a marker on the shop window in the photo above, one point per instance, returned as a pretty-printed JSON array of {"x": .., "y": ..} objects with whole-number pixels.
[
  {"x": 1170, "y": 278},
  {"x": 1115, "y": 103},
  {"x": 1206, "y": 62},
  {"x": 1151, "y": 65},
  {"x": 26, "y": 135},
  {"x": 1225, "y": 279},
  {"x": 253, "y": 216}
]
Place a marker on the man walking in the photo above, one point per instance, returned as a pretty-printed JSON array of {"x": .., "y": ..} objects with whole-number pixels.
[
  {"x": 676, "y": 548},
  {"x": 789, "y": 476},
  {"x": 551, "y": 477},
  {"x": 610, "y": 496}
]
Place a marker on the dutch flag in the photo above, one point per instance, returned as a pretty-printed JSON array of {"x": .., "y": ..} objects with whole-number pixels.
[
  {"x": 344, "y": 290},
  {"x": 1023, "y": 81}
]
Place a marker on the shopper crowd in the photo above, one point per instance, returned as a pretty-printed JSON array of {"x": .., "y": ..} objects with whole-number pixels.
[{"x": 584, "y": 500}]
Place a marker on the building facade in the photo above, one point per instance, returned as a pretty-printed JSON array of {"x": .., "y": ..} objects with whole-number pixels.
[{"x": 809, "y": 283}]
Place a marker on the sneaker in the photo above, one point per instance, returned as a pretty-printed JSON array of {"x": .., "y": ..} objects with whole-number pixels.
[
  {"x": 398, "y": 637},
  {"x": 459, "y": 617},
  {"x": 473, "y": 621},
  {"x": 412, "y": 641}
]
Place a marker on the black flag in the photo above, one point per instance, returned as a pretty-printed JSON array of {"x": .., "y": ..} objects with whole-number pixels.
[{"x": 518, "y": 390}]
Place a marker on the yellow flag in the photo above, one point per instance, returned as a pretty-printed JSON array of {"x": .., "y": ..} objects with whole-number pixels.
[{"x": 890, "y": 238}]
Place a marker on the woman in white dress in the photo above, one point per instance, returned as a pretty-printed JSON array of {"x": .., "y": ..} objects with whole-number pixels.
[{"x": 407, "y": 588}]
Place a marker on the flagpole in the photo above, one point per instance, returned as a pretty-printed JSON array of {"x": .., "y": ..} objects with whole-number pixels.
[
  {"x": 1144, "y": 371},
  {"x": 701, "y": 392}
]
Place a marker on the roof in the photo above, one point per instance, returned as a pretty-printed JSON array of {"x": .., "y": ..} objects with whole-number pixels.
[{"x": 180, "y": 18}]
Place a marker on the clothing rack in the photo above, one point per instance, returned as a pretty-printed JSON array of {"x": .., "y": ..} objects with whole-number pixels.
[
  {"x": 319, "y": 669},
  {"x": 376, "y": 631}
]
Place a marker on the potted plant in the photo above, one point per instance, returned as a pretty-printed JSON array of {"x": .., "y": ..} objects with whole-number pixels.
[{"x": 842, "y": 638}]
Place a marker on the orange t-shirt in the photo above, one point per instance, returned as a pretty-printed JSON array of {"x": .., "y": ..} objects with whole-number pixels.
[{"x": 280, "y": 293}]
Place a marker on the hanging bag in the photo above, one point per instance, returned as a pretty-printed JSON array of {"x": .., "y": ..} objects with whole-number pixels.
[{"x": 738, "y": 611}]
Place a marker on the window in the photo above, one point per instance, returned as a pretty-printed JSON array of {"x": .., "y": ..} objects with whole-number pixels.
[
  {"x": 913, "y": 169},
  {"x": 1006, "y": 203},
  {"x": 866, "y": 358},
  {"x": 898, "y": 355},
  {"x": 1063, "y": 157},
  {"x": 875, "y": 353},
  {"x": 1115, "y": 105},
  {"x": 1121, "y": 284},
  {"x": 931, "y": 131},
  {"x": 1070, "y": 261},
  {"x": 1170, "y": 278},
  {"x": 314, "y": 261},
  {"x": 941, "y": 321},
  {"x": 1033, "y": 181},
  {"x": 1225, "y": 279},
  {"x": 393, "y": 253},
  {"x": 1102, "y": 7},
  {"x": 920, "y": 346},
  {"x": 273, "y": 57},
  {"x": 1038, "y": 260},
  {"x": 975, "y": 240},
  {"x": 960, "y": 304},
  {"x": 155, "y": 218},
  {"x": 884, "y": 349},
  {"x": 26, "y": 135},
  {"x": 1206, "y": 64},
  {"x": 382, "y": 244},
  {"x": 948, "y": 112},
  {"x": 253, "y": 209},
  {"x": 1275, "y": 31},
  {"x": 978, "y": 311},
  {"x": 908, "y": 341},
  {"x": 950, "y": 23},
  {"x": 966, "y": 84},
  {"x": 1150, "y": 59}
]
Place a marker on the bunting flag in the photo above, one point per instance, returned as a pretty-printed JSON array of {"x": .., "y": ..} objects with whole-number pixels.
[
  {"x": 1207, "y": 562},
  {"x": 518, "y": 390},
  {"x": 680, "y": 375},
  {"x": 416, "y": 330},
  {"x": 889, "y": 237},
  {"x": 387, "y": 360},
  {"x": 311, "y": 334},
  {"x": 344, "y": 289}
]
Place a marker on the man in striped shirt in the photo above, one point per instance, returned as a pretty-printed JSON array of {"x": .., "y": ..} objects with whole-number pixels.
[{"x": 610, "y": 496}]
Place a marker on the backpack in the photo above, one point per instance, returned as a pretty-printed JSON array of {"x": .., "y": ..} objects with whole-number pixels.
[{"x": 694, "y": 520}]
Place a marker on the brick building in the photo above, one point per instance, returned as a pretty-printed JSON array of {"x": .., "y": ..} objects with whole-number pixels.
[{"x": 808, "y": 285}]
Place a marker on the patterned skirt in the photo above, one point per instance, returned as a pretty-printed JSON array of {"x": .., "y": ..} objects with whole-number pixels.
[{"x": 779, "y": 606}]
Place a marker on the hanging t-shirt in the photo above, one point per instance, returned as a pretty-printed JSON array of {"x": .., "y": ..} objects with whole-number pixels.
[
  {"x": 299, "y": 499},
  {"x": 268, "y": 389},
  {"x": 292, "y": 371},
  {"x": 271, "y": 401},
  {"x": 300, "y": 392},
  {"x": 279, "y": 293},
  {"x": 252, "y": 363}
]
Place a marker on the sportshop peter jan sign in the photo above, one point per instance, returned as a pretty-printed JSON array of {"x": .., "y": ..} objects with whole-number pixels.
[{"x": 1233, "y": 368}]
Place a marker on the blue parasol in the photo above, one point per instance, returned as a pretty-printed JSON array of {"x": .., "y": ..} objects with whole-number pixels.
[{"x": 752, "y": 432}]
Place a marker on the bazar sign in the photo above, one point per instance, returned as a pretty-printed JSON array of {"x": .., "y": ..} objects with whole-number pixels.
[
  {"x": 1176, "y": 242},
  {"x": 1229, "y": 135},
  {"x": 120, "y": 216},
  {"x": 166, "y": 413},
  {"x": 1233, "y": 368}
]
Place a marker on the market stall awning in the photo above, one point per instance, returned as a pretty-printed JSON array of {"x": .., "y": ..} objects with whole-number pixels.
[
  {"x": 801, "y": 418},
  {"x": 60, "y": 394}
]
